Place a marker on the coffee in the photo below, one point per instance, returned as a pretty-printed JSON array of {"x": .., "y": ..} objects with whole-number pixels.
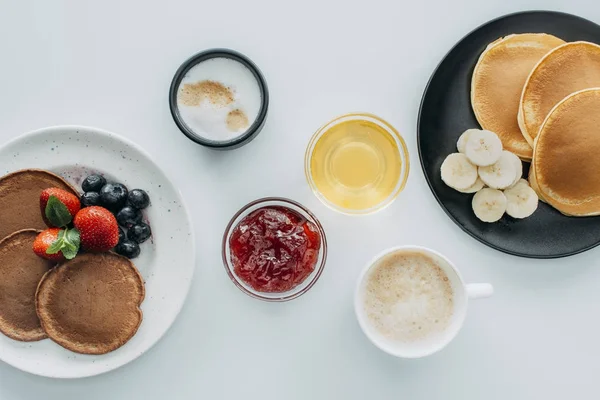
[
  {"x": 219, "y": 99},
  {"x": 407, "y": 297}
]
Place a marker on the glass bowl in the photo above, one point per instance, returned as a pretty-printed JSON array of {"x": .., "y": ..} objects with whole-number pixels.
[
  {"x": 402, "y": 150},
  {"x": 277, "y": 296}
]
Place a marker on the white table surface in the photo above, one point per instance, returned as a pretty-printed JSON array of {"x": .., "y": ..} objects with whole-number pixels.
[{"x": 109, "y": 64}]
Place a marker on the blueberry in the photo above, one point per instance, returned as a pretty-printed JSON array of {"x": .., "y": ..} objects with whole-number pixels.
[
  {"x": 89, "y": 199},
  {"x": 128, "y": 216},
  {"x": 128, "y": 248},
  {"x": 138, "y": 199},
  {"x": 139, "y": 233},
  {"x": 93, "y": 183},
  {"x": 122, "y": 236},
  {"x": 113, "y": 195}
]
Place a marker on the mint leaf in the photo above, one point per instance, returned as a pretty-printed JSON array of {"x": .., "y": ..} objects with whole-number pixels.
[
  {"x": 72, "y": 237},
  {"x": 57, "y": 213},
  {"x": 68, "y": 242},
  {"x": 57, "y": 245},
  {"x": 69, "y": 252}
]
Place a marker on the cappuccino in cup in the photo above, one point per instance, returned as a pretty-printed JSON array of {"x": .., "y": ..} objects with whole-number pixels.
[
  {"x": 411, "y": 301},
  {"x": 408, "y": 297}
]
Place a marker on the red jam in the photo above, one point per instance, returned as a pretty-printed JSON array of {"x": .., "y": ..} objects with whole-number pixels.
[{"x": 274, "y": 249}]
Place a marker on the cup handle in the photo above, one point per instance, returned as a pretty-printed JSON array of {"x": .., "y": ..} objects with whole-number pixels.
[{"x": 479, "y": 290}]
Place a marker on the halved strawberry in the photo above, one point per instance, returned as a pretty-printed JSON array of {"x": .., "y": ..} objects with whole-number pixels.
[
  {"x": 98, "y": 229},
  {"x": 56, "y": 244},
  {"x": 58, "y": 207}
]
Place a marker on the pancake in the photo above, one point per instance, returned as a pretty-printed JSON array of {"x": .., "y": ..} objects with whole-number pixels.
[
  {"x": 20, "y": 273},
  {"x": 497, "y": 83},
  {"x": 90, "y": 304},
  {"x": 20, "y": 199},
  {"x": 566, "y": 69},
  {"x": 566, "y": 155}
]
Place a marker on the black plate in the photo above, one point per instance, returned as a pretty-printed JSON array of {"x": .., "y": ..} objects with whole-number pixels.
[{"x": 446, "y": 112}]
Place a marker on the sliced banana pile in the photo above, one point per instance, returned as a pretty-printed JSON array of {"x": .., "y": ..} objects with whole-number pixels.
[{"x": 482, "y": 167}]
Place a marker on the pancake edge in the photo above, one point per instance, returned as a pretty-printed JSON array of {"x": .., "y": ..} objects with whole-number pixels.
[
  {"x": 479, "y": 60},
  {"x": 52, "y": 174},
  {"x": 490, "y": 46},
  {"x": 521, "y": 113},
  {"x": 39, "y": 334}
]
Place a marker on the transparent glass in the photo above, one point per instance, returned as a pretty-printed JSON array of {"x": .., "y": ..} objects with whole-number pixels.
[
  {"x": 402, "y": 149},
  {"x": 302, "y": 287}
]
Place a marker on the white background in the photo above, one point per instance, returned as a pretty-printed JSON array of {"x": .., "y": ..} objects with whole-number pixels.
[{"x": 109, "y": 64}]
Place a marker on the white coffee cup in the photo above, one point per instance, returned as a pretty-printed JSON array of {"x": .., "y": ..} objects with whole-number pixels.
[{"x": 462, "y": 293}]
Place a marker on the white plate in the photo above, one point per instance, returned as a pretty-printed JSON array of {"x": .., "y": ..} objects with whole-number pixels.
[{"x": 166, "y": 263}]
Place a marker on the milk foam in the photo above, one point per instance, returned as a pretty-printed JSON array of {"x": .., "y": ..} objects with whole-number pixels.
[
  {"x": 407, "y": 297},
  {"x": 209, "y": 120}
]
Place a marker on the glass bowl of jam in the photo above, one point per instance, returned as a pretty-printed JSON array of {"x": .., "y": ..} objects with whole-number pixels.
[{"x": 274, "y": 249}]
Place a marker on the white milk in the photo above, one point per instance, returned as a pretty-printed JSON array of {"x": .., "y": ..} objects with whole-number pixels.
[
  {"x": 408, "y": 297},
  {"x": 210, "y": 121}
]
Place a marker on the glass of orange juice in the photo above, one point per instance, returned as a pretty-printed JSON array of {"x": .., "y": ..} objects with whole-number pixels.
[{"x": 357, "y": 163}]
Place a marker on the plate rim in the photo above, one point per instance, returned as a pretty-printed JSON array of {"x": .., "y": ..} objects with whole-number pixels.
[
  {"x": 419, "y": 117},
  {"x": 114, "y": 136}
]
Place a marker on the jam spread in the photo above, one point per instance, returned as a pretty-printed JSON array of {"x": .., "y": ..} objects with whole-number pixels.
[{"x": 274, "y": 249}]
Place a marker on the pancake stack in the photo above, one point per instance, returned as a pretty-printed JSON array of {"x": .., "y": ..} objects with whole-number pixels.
[
  {"x": 89, "y": 305},
  {"x": 542, "y": 97},
  {"x": 20, "y": 269}
]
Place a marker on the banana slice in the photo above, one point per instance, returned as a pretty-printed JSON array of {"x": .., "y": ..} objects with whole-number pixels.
[
  {"x": 483, "y": 148},
  {"x": 501, "y": 174},
  {"x": 476, "y": 187},
  {"x": 521, "y": 200},
  {"x": 458, "y": 172},
  {"x": 523, "y": 182},
  {"x": 489, "y": 205},
  {"x": 518, "y": 167},
  {"x": 461, "y": 144}
]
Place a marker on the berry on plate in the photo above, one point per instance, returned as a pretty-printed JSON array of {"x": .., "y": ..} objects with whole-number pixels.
[
  {"x": 129, "y": 216},
  {"x": 139, "y": 233},
  {"x": 138, "y": 199},
  {"x": 89, "y": 199},
  {"x": 113, "y": 195},
  {"x": 98, "y": 229},
  {"x": 58, "y": 207},
  {"x": 93, "y": 183},
  {"x": 57, "y": 244},
  {"x": 128, "y": 248}
]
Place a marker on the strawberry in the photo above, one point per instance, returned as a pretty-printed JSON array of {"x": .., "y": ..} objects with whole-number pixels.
[
  {"x": 43, "y": 241},
  {"x": 98, "y": 229},
  {"x": 58, "y": 207},
  {"x": 57, "y": 244}
]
